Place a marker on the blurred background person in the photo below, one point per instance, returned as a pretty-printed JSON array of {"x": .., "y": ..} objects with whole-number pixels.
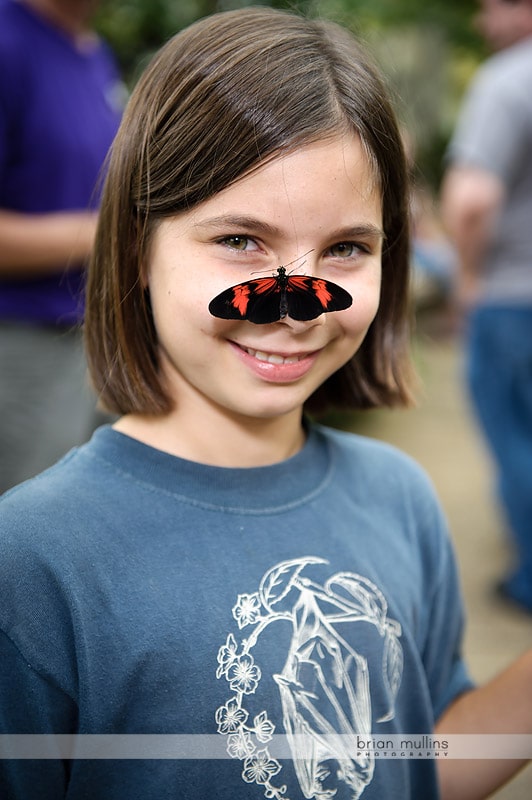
[
  {"x": 60, "y": 103},
  {"x": 487, "y": 208}
]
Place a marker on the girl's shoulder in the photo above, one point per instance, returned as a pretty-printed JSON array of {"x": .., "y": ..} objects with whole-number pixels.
[
  {"x": 375, "y": 455},
  {"x": 51, "y": 503},
  {"x": 380, "y": 474}
]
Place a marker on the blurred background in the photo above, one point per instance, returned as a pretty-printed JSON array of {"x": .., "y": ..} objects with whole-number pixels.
[{"x": 428, "y": 49}]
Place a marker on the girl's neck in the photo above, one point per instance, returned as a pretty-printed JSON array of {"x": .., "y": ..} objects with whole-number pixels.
[{"x": 236, "y": 443}]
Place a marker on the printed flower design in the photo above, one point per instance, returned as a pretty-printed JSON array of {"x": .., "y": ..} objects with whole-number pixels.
[
  {"x": 247, "y": 610},
  {"x": 240, "y": 745},
  {"x": 231, "y": 717},
  {"x": 259, "y": 768},
  {"x": 263, "y": 727},
  {"x": 243, "y": 675},
  {"x": 324, "y": 685},
  {"x": 227, "y": 655}
]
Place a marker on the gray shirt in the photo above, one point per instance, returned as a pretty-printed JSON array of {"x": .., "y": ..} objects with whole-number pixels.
[{"x": 494, "y": 132}]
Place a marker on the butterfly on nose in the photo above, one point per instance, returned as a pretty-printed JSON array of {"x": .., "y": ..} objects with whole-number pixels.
[{"x": 264, "y": 300}]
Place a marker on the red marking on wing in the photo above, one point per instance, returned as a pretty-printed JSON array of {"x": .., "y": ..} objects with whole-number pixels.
[
  {"x": 322, "y": 292},
  {"x": 240, "y": 298},
  {"x": 301, "y": 282},
  {"x": 316, "y": 286},
  {"x": 262, "y": 285}
]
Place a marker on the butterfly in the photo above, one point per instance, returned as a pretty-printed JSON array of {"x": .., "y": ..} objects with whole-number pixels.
[{"x": 264, "y": 300}]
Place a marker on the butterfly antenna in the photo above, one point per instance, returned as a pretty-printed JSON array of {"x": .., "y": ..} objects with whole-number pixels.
[
  {"x": 298, "y": 258},
  {"x": 257, "y": 272}
]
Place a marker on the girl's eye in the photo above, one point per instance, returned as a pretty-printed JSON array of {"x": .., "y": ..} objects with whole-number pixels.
[
  {"x": 345, "y": 249},
  {"x": 238, "y": 242}
]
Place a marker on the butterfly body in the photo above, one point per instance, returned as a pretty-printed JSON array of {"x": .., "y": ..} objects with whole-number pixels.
[{"x": 270, "y": 299}]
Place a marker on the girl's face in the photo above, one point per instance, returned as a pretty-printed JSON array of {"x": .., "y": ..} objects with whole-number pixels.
[{"x": 317, "y": 209}]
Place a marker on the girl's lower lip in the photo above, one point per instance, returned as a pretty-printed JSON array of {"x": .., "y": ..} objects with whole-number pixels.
[{"x": 276, "y": 373}]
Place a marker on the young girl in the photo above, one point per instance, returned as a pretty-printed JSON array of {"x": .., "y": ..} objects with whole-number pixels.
[{"x": 217, "y": 563}]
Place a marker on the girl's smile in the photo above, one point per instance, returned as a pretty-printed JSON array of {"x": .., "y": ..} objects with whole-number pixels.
[
  {"x": 276, "y": 367},
  {"x": 318, "y": 208}
]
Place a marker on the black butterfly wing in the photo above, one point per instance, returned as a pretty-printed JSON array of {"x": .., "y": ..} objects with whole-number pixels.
[
  {"x": 257, "y": 301},
  {"x": 308, "y": 298}
]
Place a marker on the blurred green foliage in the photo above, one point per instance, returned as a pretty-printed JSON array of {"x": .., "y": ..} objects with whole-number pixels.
[
  {"x": 428, "y": 50},
  {"x": 136, "y": 28}
]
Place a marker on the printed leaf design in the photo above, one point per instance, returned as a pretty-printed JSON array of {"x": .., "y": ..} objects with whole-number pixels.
[
  {"x": 277, "y": 582},
  {"x": 363, "y": 600}
]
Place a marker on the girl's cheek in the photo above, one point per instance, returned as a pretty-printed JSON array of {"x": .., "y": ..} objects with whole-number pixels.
[{"x": 366, "y": 301}]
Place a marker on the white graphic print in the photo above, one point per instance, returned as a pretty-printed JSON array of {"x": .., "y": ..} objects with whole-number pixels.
[{"x": 324, "y": 685}]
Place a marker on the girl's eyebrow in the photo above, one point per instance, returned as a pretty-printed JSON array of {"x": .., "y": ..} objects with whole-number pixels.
[
  {"x": 364, "y": 230},
  {"x": 240, "y": 222}
]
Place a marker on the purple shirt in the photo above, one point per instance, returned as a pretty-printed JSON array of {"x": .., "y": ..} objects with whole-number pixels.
[{"x": 59, "y": 111}]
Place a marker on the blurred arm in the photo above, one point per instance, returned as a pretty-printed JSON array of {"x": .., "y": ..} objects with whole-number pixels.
[
  {"x": 470, "y": 201},
  {"x": 34, "y": 245},
  {"x": 504, "y": 705}
]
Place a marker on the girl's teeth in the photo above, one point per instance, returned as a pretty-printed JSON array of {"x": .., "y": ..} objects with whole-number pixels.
[{"x": 271, "y": 357}]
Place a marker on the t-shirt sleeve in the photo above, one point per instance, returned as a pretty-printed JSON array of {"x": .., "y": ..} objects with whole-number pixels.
[
  {"x": 29, "y": 704},
  {"x": 446, "y": 671}
]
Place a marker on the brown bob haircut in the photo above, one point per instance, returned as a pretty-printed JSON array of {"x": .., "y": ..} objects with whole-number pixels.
[{"x": 219, "y": 100}]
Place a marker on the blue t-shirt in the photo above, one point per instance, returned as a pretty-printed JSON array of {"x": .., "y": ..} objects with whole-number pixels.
[
  {"x": 144, "y": 594},
  {"x": 60, "y": 107}
]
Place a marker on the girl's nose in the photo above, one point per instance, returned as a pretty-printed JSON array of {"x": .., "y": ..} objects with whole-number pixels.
[{"x": 299, "y": 326}]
